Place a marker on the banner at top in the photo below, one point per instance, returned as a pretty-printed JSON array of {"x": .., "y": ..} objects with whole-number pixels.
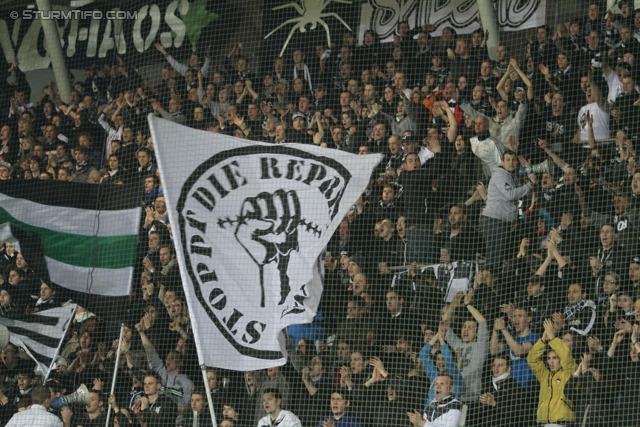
[
  {"x": 383, "y": 16},
  {"x": 97, "y": 32}
]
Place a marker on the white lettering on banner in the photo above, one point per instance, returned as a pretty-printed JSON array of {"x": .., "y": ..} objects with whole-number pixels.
[
  {"x": 383, "y": 16},
  {"x": 98, "y": 43}
]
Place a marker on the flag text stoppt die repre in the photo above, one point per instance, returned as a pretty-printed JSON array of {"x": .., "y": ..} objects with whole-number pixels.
[{"x": 252, "y": 221}]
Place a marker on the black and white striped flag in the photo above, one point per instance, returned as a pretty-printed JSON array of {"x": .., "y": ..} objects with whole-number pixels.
[{"x": 41, "y": 334}]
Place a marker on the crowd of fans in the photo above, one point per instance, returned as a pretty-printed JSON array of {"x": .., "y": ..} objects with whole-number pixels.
[{"x": 517, "y": 176}]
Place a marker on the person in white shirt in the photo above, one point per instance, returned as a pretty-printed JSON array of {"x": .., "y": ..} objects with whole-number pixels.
[
  {"x": 38, "y": 414},
  {"x": 598, "y": 108},
  {"x": 276, "y": 416},
  {"x": 443, "y": 411}
]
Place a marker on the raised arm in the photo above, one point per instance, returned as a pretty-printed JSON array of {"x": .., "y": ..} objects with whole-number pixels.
[
  {"x": 244, "y": 93},
  {"x": 452, "y": 132},
  {"x": 317, "y": 138},
  {"x": 474, "y": 311},
  {"x": 252, "y": 92},
  {"x": 566, "y": 359},
  {"x": 495, "y": 346},
  {"x": 180, "y": 68},
  {"x": 617, "y": 339},
  {"x": 525, "y": 79},
  {"x": 502, "y": 82},
  {"x": 146, "y": 342},
  {"x": 591, "y": 137},
  {"x": 470, "y": 111},
  {"x": 534, "y": 359},
  {"x": 554, "y": 157},
  {"x": 519, "y": 350}
]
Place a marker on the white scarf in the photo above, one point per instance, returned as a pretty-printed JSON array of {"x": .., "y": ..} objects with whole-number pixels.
[
  {"x": 307, "y": 75},
  {"x": 497, "y": 380}
]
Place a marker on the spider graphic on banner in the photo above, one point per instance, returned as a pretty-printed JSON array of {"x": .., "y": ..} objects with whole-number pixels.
[{"x": 310, "y": 14}]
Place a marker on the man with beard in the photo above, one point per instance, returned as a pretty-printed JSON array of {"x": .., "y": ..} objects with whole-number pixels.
[
  {"x": 568, "y": 197},
  {"x": 515, "y": 343},
  {"x": 462, "y": 173}
]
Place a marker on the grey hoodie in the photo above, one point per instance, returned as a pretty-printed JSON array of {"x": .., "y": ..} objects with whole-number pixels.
[{"x": 501, "y": 195}]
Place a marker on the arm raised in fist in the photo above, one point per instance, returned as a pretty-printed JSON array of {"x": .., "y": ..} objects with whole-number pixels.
[{"x": 268, "y": 231}]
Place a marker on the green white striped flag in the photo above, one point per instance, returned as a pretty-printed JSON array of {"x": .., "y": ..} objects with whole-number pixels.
[{"x": 82, "y": 237}]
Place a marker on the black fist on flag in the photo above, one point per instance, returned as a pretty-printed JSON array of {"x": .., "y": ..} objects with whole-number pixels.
[{"x": 268, "y": 230}]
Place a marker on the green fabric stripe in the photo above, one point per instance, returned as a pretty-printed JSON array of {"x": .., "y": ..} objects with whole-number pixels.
[{"x": 108, "y": 252}]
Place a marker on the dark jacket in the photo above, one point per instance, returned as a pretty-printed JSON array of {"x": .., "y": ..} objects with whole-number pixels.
[
  {"x": 416, "y": 189},
  {"x": 161, "y": 413},
  {"x": 513, "y": 406}
]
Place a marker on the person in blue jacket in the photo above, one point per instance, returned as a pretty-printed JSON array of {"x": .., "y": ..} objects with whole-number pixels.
[{"x": 445, "y": 364}]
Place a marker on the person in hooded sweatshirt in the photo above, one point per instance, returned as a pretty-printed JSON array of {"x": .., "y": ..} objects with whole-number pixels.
[{"x": 501, "y": 210}]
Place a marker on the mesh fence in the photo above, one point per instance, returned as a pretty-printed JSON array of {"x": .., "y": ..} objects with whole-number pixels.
[{"x": 323, "y": 213}]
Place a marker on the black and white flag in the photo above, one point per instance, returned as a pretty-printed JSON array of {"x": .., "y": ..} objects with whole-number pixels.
[
  {"x": 40, "y": 334},
  {"x": 250, "y": 222}
]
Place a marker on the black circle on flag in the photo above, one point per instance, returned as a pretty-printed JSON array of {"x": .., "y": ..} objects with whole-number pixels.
[{"x": 253, "y": 222}]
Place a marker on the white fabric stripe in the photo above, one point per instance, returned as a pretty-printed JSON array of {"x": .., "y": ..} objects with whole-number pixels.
[
  {"x": 57, "y": 331},
  {"x": 37, "y": 347},
  {"x": 106, "y": 282},
  {"x": 72, "y": 220},
  {"x": 17, "y": 341}
]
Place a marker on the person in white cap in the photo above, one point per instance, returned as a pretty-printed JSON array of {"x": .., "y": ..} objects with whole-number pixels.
[{"x": 5, "y": 171}]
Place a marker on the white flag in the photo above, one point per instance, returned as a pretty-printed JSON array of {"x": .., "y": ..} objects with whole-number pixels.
[{"x": 250, "y": 221}]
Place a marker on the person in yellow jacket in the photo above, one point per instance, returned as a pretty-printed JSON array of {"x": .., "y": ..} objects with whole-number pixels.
[{"x": 553, "y": 407}]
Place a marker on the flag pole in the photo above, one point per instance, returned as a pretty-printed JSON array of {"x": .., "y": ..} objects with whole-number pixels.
[
  {"x": 203, "y": 368},
  {"x": 115, "y": 372}
]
